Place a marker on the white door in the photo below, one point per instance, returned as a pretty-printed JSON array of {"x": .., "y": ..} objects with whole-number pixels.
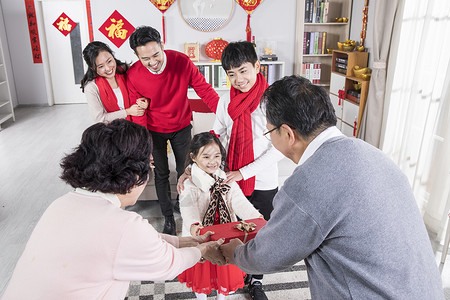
[{"x": 65, "y": 59}]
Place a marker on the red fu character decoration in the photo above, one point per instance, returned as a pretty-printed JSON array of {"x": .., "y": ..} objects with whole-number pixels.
[
  {"x": 163, "y": 5},
  {"x": 249, "y": 6}
]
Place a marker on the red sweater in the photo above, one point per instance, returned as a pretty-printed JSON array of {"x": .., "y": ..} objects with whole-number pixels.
[{"x": 168, "y": 110}]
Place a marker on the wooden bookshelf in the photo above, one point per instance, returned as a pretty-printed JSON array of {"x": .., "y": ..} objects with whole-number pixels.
[{"x": 336, "y": 31}]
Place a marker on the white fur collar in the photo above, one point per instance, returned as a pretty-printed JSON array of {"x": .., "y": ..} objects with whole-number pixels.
[{"x": 203, "y": 180}]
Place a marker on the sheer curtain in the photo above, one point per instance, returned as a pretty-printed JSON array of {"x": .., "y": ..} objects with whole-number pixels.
[{"x": 417, "y": 132}]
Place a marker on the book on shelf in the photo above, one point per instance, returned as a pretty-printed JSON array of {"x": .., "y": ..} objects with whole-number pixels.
[
  {"x": 312, "y": 72},
  {"x": 207, "y": 75},
  {"x": 317, "y": 11},
  {"x": 324, "y": 43},
  {"x": 314, "y": 43},
  {"x": 271, "y": 74},
  {"x": 264, "y": 70},
  {"x": 326, "y": 6}
]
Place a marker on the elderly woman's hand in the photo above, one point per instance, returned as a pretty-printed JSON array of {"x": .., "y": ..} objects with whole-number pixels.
[
  {"x": 210, "y": 251},
  {"x": 192, "y": 241}
]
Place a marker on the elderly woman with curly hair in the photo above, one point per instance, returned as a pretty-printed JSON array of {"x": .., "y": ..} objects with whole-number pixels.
[{"x": 86, "y": 246}]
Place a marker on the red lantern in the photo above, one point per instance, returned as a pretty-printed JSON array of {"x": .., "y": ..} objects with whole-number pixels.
[{"x": 215, "y": 48}]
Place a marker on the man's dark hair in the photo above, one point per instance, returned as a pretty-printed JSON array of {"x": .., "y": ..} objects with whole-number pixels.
[
  {"x": 237, "y": 53},
  {"x": 111, "y": 158},
  {"x": 202, "y": 139},
  {"x": 143, "y": 35},
  {"x": 303, "y": 106}
]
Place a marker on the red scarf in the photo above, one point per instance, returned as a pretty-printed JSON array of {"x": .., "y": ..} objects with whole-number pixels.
[
  {"x": 240, "y": 149},
  {"x": 108, "y": 96}
]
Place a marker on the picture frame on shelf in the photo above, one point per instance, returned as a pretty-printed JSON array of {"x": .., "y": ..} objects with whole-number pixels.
[{"x": 192, "y": 50}]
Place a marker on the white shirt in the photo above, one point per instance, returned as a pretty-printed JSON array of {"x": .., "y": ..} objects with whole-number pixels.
[
  {"x": 119, "y": 97},
  {"x": 265, "y": 165},
  {"x": 324, "y": 136}
]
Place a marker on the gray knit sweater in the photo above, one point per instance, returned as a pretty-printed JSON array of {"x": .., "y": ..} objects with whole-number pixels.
[{"x": 349, "y": 212}]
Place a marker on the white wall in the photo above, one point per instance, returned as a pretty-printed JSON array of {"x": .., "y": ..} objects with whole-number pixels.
[{"x": 269, "y": 21}]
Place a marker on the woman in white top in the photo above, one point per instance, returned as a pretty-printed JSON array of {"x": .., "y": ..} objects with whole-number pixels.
[{"x": 104, "y": 85}]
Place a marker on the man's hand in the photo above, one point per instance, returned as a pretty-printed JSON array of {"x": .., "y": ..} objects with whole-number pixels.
[
  {"x": 210, "y": 251},
  {"x": 228, "y": 250},
  {"x": 193, "y": 241},
  {"x": 233, "y": 176},
  {"x": 180, "y": 184}
]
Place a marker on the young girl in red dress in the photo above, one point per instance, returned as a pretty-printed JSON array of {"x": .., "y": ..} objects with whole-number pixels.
[{"x": 206, "y": 201}]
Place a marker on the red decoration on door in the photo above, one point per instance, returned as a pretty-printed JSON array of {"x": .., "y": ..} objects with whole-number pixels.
[
  {"x": 89, "y": 18},
  {"x": 64, "y": 24},
  {"x": 162, "y": 6},
  {"x": 341, "y": 96},
  {"x": 117, "y": 29},
  {"x": 33, "y": 30},
  {"x": 354, "y": 128},
  {"x": 249, "y": 6}
]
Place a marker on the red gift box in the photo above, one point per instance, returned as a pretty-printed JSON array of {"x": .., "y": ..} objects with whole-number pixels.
[{"x": 228, "y": 231}]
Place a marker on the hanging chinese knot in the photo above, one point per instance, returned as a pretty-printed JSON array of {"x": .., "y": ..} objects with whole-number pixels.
[
  {"x": 163, "y": 5},
  {"x": 249, "y": 6}
]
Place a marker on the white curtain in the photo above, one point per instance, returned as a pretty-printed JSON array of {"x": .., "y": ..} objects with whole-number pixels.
[{"x": 417, "y": 133}]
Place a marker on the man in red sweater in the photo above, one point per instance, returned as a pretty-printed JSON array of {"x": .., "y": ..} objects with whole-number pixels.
[{"x": 163, "y": 77}]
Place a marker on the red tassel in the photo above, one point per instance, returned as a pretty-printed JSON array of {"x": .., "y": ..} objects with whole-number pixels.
[
  {"x": 248, "y": 29},
  {"x": 164, "y": 29},
  {"x": 354, "y": 128}
]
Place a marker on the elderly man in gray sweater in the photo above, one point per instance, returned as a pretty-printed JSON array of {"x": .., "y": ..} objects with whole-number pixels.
[{"x": 347, "y": 209}]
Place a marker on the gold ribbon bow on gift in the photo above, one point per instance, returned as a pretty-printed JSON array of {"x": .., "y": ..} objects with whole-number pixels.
[{"x": 246, "y": 228}]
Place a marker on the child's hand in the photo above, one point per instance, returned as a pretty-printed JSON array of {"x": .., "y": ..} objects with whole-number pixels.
[
  {"x": 183, "y": 177},
  {"x": 195, "y": 229},
  {"x": 261, "y": 216},
  {"x": 142, "y": 102},
  {"x": 233, "y": 176}
]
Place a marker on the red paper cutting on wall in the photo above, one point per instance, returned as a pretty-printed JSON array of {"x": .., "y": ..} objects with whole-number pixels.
[
  {"x": 64, "y": 24},
  {"x": 117, "y": 29},
  {"x": 33, "y": 29}
]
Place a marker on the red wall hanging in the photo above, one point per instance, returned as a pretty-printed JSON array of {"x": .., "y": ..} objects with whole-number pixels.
[
  {"x": 64, "y": 24},
  {"x": 33, "y": 30},
  {"x": 89, "y": 18},
  {"x": 162, "y": 6},
  {"x": 117, "y": 29},
  {"x": 249, "y": 6}
]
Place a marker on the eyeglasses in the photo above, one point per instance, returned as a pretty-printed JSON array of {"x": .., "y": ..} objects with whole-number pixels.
[{"x": 267, "y": 133}]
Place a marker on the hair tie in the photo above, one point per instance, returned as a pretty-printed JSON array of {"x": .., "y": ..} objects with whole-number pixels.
[{"x": 214, "y": 134}]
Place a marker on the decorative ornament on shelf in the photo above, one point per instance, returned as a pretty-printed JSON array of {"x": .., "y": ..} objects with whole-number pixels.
[
  {"x": 347, "y": 46},
  {"x": 249, "y": 6},
  {"x": 341, "y": 20},
  {"x": 364, "y": 26},
  {"x": 215, "y": 48},
  {"x": 363, "y": 73}
]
